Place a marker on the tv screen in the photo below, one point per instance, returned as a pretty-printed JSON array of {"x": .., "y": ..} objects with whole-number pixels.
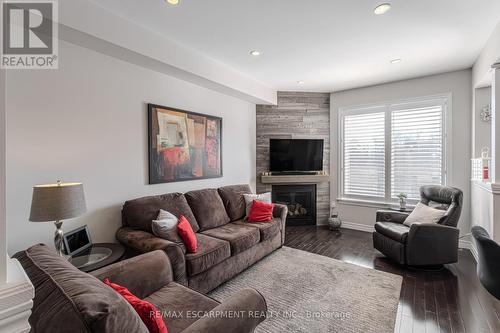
[{"x": 296, "y": 155}]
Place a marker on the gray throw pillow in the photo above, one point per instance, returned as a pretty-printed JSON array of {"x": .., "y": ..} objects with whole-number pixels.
[{"x": 165, "y": 226}]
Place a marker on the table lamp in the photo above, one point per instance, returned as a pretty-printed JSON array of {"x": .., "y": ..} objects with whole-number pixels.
[{"x": 57, "y": 202}]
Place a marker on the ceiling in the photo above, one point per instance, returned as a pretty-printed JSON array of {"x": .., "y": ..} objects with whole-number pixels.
[{"x": 331, "y": 45}]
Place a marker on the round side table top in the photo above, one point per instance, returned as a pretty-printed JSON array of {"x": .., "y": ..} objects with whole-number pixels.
[{"x": 98, "y": 256}]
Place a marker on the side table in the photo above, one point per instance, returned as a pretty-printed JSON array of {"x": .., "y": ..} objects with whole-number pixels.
[{"x": 98, "y": 256}]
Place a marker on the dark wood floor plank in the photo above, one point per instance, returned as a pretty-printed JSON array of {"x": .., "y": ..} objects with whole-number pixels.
[
  {"x": 450, "y": 300},
  {"x": 418, "y": 306}
]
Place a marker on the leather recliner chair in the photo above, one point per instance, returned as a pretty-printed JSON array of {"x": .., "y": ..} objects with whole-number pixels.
[
  {"x": 422, "y": 244},
  {"x": 488, "y": 265}
]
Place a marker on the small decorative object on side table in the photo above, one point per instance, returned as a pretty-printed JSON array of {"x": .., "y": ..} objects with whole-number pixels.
[
  {"x": 402, "y": 201},
  {"x": 97, "y": 256}
]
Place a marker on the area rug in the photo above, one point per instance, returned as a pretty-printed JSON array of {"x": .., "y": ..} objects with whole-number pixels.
[{"x": 306, "y": 292}]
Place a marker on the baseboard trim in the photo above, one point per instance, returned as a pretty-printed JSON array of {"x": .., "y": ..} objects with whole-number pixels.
[
  {"x": 357, "y": 226},
  {"x": 463, "y": 244},
  {"x": 469, "y": 245}
]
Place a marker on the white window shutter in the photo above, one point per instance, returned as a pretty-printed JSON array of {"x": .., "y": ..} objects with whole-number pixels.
[
  {"x": 364, "y": 155},
  {"x": 417, "y": 147}
]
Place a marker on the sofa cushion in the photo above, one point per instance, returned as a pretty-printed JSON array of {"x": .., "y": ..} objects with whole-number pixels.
[
  {"x": 208, "y": 208},
  {"x": 267, "y": 229},
  {"x": 174, "y": 301},
  {"x": 232, "y": 197},
  {"x": 241, "y": 237},
  {"x": 211, "y": 251},
  {"x": 139, "y": 213},
  {"x": 141, "y": 307},
  {"x": 69, "y": 300},
  {"x": 395, "y": 231}
]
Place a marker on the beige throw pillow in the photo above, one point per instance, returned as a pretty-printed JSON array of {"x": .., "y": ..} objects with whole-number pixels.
[
  {"x": 424, "y": 214},
  {"x": 249, "y": 198},
  {"x": 165, "y": 226}
]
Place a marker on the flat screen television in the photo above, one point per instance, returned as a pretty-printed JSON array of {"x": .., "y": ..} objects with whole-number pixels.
[{"x": 296, "y": 155}]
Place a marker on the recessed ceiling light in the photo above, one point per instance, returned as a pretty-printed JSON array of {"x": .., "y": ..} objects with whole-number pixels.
[
  {"x": 255, "y": 53},
  {"x": 382, "y": 9},
  {"x": 300, "y": 82},
  {"x": 173, "y": 2},
  {"x": 395, "y": 61}
]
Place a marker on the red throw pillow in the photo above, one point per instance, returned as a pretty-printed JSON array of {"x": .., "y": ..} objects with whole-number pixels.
[
  {"x": 261, "y": 212},
  {"x": 146, "y": 311},
  {"x": 187, "y": 234}
]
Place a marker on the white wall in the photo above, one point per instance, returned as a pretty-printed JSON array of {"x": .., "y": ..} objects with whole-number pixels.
[
  {"x": 459, "y": 84},
  {"x": 481, "y": 130},
  {"x": 485, "y": 197},
  {"x": 481, "y": 72},
  {"x": 87, "y": 122},
  {"x": 482, "y": 210},
  {"x": 3, "y": 222}
]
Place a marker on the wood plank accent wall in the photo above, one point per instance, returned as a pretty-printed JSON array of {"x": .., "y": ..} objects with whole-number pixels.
[{"x": 298, "y": 115}]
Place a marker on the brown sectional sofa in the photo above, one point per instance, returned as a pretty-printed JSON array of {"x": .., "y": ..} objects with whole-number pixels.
[
  {"x": 227, "y": 244},
  {"x": 68, "y": 300}
]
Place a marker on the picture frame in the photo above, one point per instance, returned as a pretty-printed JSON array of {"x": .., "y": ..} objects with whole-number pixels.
[{"x": 183, "y": 145}]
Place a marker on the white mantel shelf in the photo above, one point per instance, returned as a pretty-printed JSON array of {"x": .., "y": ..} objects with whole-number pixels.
[{"x": 294, "y": 179}]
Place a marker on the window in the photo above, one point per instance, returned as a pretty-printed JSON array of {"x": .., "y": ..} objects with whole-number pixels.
[
  {"x": 364, "y": 154},
  {"x": 391, "y": 148}
]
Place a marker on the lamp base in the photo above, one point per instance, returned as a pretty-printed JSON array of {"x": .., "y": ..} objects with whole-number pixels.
[{"x": 58, "y": 238}]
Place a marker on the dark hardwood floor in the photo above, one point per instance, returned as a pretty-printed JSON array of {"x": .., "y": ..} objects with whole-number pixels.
[{"x": 450, "y": 300}]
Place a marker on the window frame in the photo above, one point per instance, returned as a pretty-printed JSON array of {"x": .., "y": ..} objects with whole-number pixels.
[{"x": 445, "y": 100}]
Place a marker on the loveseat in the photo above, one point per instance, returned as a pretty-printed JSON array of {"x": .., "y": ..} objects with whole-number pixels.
[
  {"x": 227, "y": 244},
  {"x": 69, "y": 300}
]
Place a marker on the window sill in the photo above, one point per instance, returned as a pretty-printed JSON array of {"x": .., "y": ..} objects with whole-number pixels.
[{"x": 369, "y": 203}]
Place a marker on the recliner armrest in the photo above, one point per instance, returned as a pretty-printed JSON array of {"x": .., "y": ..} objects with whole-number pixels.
[
  {"x": 431, "y": 243},
  {"x": 432, "y": 230},
  {"x": 143, "y": 242},
  {"x": 391, "y": 216},
  {"x": 240, "y": 313},
  {"x": 142, "y": 275}
]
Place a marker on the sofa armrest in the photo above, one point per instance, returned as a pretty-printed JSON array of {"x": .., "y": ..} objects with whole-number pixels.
[
  {"x": 143, "y": 242},
  {"x": 142, "y": 275},
  {"x": 391, "y": 216},
  {"x": 281, "y": 212},
  {"x": 431, "y": 244},
  {"x": 240, "y": 313}
]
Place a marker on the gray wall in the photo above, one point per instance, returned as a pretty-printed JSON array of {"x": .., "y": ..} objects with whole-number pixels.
[
  {"x": 87, "y": 122},
  {"x": 298, "y": 115}
]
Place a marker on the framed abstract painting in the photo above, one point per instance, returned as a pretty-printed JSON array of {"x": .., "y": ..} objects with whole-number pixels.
[{"x": 183, "y": 145}]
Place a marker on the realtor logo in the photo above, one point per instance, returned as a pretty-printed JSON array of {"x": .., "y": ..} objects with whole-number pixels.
[{"x": 29, "y": 34}]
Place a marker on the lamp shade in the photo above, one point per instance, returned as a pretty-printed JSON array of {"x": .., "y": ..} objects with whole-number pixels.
[{"x": 55, "y": 202}]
